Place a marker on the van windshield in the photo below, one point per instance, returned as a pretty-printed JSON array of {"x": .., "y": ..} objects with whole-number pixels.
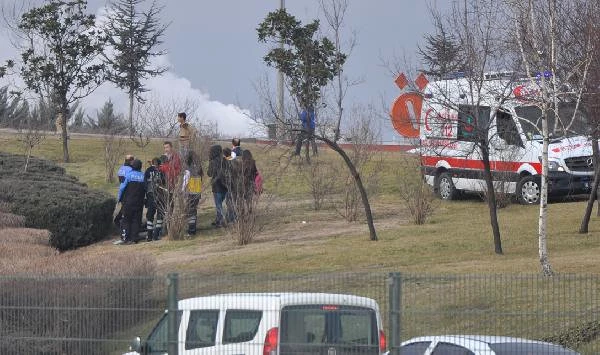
[
  {"x": 157, "y": 342},
  {"x": 572, "y": 121},
  {"x": 308, "y": 329}
]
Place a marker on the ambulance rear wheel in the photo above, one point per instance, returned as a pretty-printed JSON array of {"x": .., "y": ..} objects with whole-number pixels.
[
  {"x": 445, "y": 187},
  {"x": 528, "y": 190}
]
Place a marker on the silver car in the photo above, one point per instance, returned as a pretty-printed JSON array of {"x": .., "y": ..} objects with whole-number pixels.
[{"x": 479, "y": 345}]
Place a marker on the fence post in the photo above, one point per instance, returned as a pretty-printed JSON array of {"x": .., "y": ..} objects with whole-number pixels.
[
  {"x": 172, "y": 336},
  {"x": 395, "y": 294}
]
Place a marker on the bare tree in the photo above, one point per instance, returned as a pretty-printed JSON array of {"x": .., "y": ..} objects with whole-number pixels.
[
  {"x": 466, "y": 109},
  {"x": 417, "y": 196},
  {"x": 31, "y": 135},
  {"x": 543, "y": 33},
  {"x": 321, "y": 177},
  {"x": 158, "y": 114},
  {"x": 588, "y": 14},
  {"x": 335, "y": 15},
  {"x": 363, "y": 136}
]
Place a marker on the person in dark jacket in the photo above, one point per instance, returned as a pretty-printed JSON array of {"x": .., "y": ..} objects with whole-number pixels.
[
  {"x": 123, "y": 170},
  {"x": 131, "y": 195},
  {"x": 236, "y": 150},
  {"x": 154, "y": 179},
  {"x": 242, "y": 191},
  {"x": 309, "y": 123},
  {"x": 215, "y": 171}
]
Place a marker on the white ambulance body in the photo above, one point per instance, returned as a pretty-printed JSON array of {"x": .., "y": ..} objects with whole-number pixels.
[{"x": 452, "y": 160}]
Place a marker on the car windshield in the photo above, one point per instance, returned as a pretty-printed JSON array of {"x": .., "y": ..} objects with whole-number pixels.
[
  {"x": 517, "y": 348},
  {"x": 157, "y": 342},
  {"x": 309, "y": 329},
  {"x": 572, "y": 121}
]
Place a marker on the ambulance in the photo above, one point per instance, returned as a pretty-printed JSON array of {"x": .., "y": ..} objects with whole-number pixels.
[{"x": 453, "y": 118}]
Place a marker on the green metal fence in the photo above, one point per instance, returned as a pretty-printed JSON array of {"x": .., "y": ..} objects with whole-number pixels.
[{"x": 85, "y": 315}]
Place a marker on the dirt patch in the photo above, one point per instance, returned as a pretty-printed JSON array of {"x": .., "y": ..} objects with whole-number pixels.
[{"x": 319, "y": 229}]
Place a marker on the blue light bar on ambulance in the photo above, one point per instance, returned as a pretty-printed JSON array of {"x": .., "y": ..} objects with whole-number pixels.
[{"x": 547, "y": 74}]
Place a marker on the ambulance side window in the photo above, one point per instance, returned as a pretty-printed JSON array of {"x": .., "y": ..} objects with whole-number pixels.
[
  {"x": 507, "y": 129},
  {"x": 472, "y": 121}
]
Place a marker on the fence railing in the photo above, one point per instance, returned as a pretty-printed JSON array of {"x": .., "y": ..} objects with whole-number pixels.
[{"x": 94, "y": 315}]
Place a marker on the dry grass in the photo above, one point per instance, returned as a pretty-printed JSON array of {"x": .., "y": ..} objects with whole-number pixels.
[{"x": 26, "y": 251}]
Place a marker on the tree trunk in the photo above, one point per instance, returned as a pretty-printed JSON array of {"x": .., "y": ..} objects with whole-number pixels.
[
  {"x": 594, "y": 194},
  {"x": 29, "y": 148},
  {"x": 491, "y": 198},
  {"x": 65, "y": 143},
  {"x": 543, "y": 216},
  {"x": 359, "y": 184},
  {"x": 131, "y": 98}
]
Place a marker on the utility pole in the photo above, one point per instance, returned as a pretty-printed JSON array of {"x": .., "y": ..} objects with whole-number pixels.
[{"x": 280, "y": 79}]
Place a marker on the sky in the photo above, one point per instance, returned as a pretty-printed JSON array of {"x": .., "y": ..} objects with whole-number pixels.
[{"x": 215, "y": 58}]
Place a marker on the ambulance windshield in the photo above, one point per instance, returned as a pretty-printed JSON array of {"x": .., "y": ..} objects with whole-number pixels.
[{"x": 571, "y": 122}]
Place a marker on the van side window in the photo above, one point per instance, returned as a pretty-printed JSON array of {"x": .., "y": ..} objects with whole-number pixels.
[
  {"x": 472, "y": 120},
  {"x": 202, "y": 329},
  {"x": 241, "y": 325},
  {"x": 507, "y": 129}
]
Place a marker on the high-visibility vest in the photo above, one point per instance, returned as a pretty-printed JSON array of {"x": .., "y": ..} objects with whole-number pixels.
[{"x": 194, "y": 185}]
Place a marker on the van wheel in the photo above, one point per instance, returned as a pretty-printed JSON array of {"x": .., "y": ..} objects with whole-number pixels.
[
  {"x": 445, "y": 187},
  {"x": 528, "y": 190}
]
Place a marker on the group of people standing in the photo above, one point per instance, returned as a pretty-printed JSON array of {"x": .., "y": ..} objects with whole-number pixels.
[{"x": 234, "y": 180}]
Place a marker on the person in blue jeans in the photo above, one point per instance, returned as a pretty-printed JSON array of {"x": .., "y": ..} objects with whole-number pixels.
[{"x": 216, "y": 171}]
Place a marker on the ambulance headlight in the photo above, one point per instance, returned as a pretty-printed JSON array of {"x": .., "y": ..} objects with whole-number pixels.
[{"x": 553, "y": 165}]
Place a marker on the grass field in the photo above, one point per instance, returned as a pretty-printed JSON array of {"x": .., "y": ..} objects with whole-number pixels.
[{"x": 456, "y": 240}]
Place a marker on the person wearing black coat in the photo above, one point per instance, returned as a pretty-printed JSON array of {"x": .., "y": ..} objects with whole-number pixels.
[
  {"x": 132, "y": 193},
  {"x": 216, "y": 170},
  {"x": 155, "y": 199}
]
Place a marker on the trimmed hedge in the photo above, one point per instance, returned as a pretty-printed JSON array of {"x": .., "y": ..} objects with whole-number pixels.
[{"x": 49, "y": 199}]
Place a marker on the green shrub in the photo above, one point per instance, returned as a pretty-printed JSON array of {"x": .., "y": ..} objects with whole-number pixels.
[{"x": 74, "y": 214}]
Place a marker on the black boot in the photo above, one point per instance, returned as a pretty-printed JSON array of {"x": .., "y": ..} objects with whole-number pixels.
[
  {"x": 156, "y": 233},
  {"x": 192, "y": 229}
]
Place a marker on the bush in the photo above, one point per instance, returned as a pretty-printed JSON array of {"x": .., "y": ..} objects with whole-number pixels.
[{"x": 48, "y": 199}]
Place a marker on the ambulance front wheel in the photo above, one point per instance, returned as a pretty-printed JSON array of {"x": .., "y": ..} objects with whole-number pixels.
[
  {"x": 445, "y": 187},
  {"x": 528, "y": 190}
]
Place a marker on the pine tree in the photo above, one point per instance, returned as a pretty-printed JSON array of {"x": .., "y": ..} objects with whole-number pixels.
[
  {"x": 134, "y": 36},
  {"x": 107, "y": 120},
  {"x": 441, "y": 54}
]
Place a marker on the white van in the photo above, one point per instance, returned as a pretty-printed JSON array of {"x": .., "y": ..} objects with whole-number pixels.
[
  {"x": 452, "y": 162},
  {"x": 272, "y": 324}
]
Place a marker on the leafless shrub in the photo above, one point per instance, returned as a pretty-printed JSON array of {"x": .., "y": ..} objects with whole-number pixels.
[
  {"x": 363, "y": 135},
  {"x": 30, "y": 136},
  {"x": 176, "y": 214},
  {"x": 247, "y": 209},
  {"x": 321, "y": 177},
  {"x": 157, "y": 115},
  {"x": 418, "y": 197},
  {"x": 9, "y": 220},
  {"x": 114, "y": 149},
  {"x": 502, "y": 189}
]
